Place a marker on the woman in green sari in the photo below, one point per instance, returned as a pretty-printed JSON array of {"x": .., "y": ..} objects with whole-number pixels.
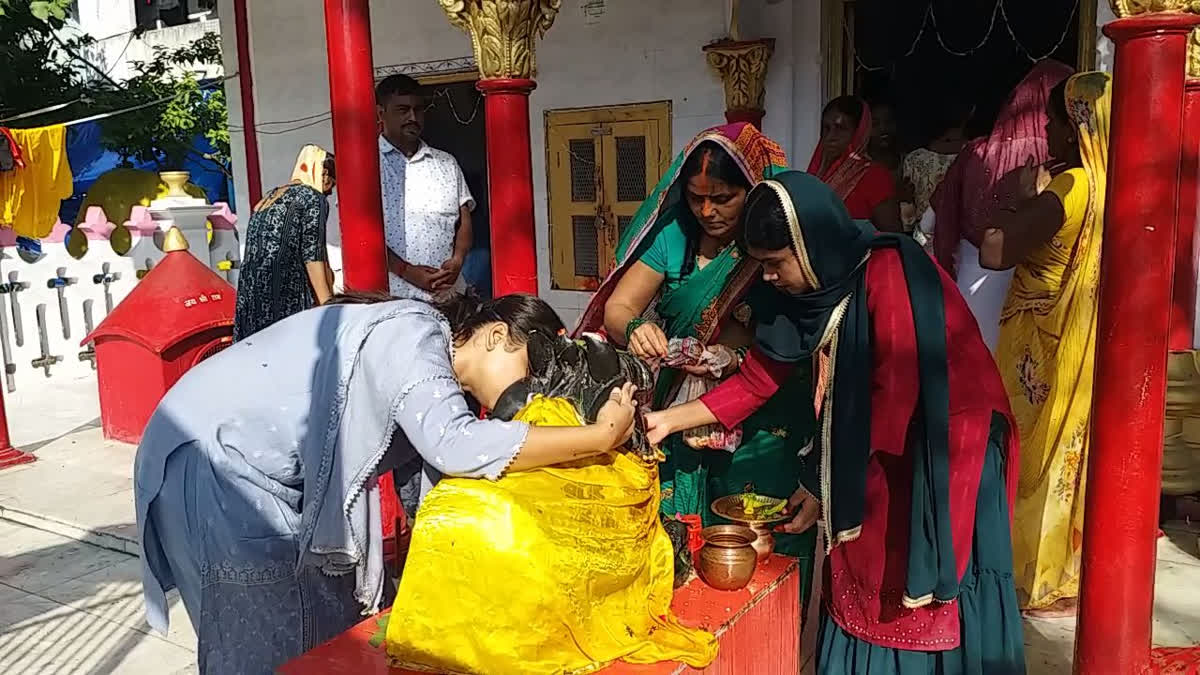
[{"x": 679, "y": 274}]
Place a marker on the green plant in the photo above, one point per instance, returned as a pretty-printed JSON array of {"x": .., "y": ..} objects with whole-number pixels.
[
  {"x": 39, "y": 68},
  {"x": 41, "y": 9},
  {"x": 179, "y": 108},
  {"x": 42, "y": 69}
]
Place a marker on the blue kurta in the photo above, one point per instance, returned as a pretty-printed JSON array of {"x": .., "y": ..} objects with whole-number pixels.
[{"x": 255, "y": 479}]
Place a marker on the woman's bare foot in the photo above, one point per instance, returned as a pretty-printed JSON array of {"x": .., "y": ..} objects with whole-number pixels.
[{"x": 1061, "y": 609}]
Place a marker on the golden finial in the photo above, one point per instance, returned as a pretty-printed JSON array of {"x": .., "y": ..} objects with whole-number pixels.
[
  {"x": 174, "y": 241},
  {"x": 1193, "y": 60},
  {"x": 1127, "y": 8}
]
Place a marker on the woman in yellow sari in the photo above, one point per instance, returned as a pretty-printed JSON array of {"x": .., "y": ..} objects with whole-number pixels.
[
  {"x": 560, "y": 569},
  {"x": 1048, "y": 337}
]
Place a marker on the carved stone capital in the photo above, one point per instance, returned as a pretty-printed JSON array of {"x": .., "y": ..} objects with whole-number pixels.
[
  {"x": 1193, "y": 58},
  {"x": 503, "y": 32},
  {"x": 742, "y": 66},
  {"x": 1124, "y": 8}
]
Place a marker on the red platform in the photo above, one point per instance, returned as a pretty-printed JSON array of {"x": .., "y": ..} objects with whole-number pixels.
[
  {"x": 1175, "y": 661},
  {"x": 758, "y": 629}
]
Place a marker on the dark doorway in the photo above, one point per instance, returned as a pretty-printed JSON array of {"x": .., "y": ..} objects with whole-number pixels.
[
  {"x": 455, "y": 123},
  {"x": 923, "y": 56}
]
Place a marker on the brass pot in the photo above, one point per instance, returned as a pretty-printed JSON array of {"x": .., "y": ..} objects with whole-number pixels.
[
  {"x": 764, "y": 541},
  {"x": 727, "y": 560},
  {"x": 176, "y": 182}
]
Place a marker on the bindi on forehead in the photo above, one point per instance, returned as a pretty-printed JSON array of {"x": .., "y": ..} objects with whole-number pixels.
[
  {"x": 704, "y": 184},
  {"x": 701, "y": 185}
]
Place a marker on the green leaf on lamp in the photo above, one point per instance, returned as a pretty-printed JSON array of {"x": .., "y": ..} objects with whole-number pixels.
[{"x": 381, "y": 622}]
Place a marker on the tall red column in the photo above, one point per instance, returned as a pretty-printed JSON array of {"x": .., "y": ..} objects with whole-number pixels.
[
  {"x": 1124, "y": 469},
  {"x": 9, "y": 456},
  {"x": 360, "y": 202},
  {"x": 246, "y": 87},
  {"x": 751, "y": 116},
  {"x": 510, "y": 185},
  {"x": 1183, "y": 306},
  {"x": 356, "y": 143}
]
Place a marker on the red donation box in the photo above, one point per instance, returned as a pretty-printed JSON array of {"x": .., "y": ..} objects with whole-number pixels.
[{"x": 180, "y": 313}]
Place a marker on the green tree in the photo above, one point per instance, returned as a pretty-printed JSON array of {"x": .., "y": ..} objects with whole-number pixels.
[
  {"x": 179, "y": 108},
  {"x": 39, "y": 69},
  {"x": 42, "y": 69},
  {"x": 42, "y": 9}
]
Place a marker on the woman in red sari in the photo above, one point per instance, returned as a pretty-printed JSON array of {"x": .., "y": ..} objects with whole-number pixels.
[
  {"x": 917, "y": 462},
  {"x": 841, "y": 161}
]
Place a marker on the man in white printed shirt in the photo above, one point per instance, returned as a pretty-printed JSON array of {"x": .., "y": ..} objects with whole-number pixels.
[{"x": 426, "y": 202}]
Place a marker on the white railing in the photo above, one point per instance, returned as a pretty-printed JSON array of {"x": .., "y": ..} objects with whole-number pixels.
[{"x": 51, "y": 301}]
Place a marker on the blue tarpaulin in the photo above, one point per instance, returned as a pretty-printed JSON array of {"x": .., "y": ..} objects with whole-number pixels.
[{"x": 89, "y": 160}]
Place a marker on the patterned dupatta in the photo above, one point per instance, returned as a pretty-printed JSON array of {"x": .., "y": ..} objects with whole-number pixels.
[
  {"x": 844, "y": 173},
  {"x": 966, "y": 200},
  {"x": 1074, "y": 303},
  {"x": 722, "y": 282},
  {"x": 309, "y": 171}
]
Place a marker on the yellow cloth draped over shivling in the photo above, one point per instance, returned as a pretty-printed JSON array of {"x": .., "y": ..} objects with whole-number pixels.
[{"x": 555, "y": 570}]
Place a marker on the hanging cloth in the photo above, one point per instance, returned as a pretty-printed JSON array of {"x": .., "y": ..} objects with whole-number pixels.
[
  {"x": 30, "y": 197},
  {"x": 10, "y": 152}
]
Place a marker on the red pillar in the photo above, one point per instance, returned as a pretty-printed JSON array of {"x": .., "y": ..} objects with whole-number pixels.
[
  {"x": 9, "y": 456},
  {"x": 356, "y": 153},
  {"x": 752, "y": 115},
  {"x": 1183, "y": 309},
  {"x": 1124, "y": 470},
  {"x": 510, "y": 185},
  {"x": 356, "y": 143},
  {"x": 246, "y": 87}
]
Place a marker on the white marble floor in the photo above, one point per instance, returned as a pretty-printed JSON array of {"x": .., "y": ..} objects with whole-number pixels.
[
  {"x": 81, "y": 486},
  {"x": 67, "y": 607},
  {"x": 1049, "y": 643}
]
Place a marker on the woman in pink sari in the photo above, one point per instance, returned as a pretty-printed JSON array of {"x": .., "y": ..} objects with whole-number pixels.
[{"x": 972, "y": 191}]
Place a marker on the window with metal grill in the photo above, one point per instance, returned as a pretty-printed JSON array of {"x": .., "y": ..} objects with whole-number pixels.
[{"x": 601, "y": 164}]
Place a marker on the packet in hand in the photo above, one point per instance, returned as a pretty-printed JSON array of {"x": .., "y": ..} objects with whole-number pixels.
[{"x": 691, "y": 352}]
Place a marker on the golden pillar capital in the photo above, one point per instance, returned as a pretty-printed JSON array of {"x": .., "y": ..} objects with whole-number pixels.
[
  {"x": 742, "y": 65},
  {"x": 1193, "y": 59},
  {"x": 1125, "y": 8},
  {"x": 503, "y": 32}
]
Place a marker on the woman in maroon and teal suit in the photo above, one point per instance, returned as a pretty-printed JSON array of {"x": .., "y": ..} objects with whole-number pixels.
[{"x": 916, "y": 444}]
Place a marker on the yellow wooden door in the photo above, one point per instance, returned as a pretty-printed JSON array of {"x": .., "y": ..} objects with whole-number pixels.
[
  {"x": 631, "y": 165},
  {"x": 602, "y": 164},
  {"x": 574, "y": 153}
]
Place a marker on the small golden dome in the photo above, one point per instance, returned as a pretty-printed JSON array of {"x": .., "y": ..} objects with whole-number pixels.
[{"x": 174, "y": 241}]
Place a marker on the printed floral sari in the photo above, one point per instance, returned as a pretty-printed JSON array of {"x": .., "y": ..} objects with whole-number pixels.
[{"x": 1046, "y": 355}]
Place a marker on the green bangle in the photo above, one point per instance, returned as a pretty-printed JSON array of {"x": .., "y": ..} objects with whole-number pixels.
[
  {"x": 740, "y": 353},
  {"x": 634, "y": 324}
]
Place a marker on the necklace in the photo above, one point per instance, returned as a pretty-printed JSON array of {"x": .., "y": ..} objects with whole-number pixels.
[{"x": 729, "y": 244}]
